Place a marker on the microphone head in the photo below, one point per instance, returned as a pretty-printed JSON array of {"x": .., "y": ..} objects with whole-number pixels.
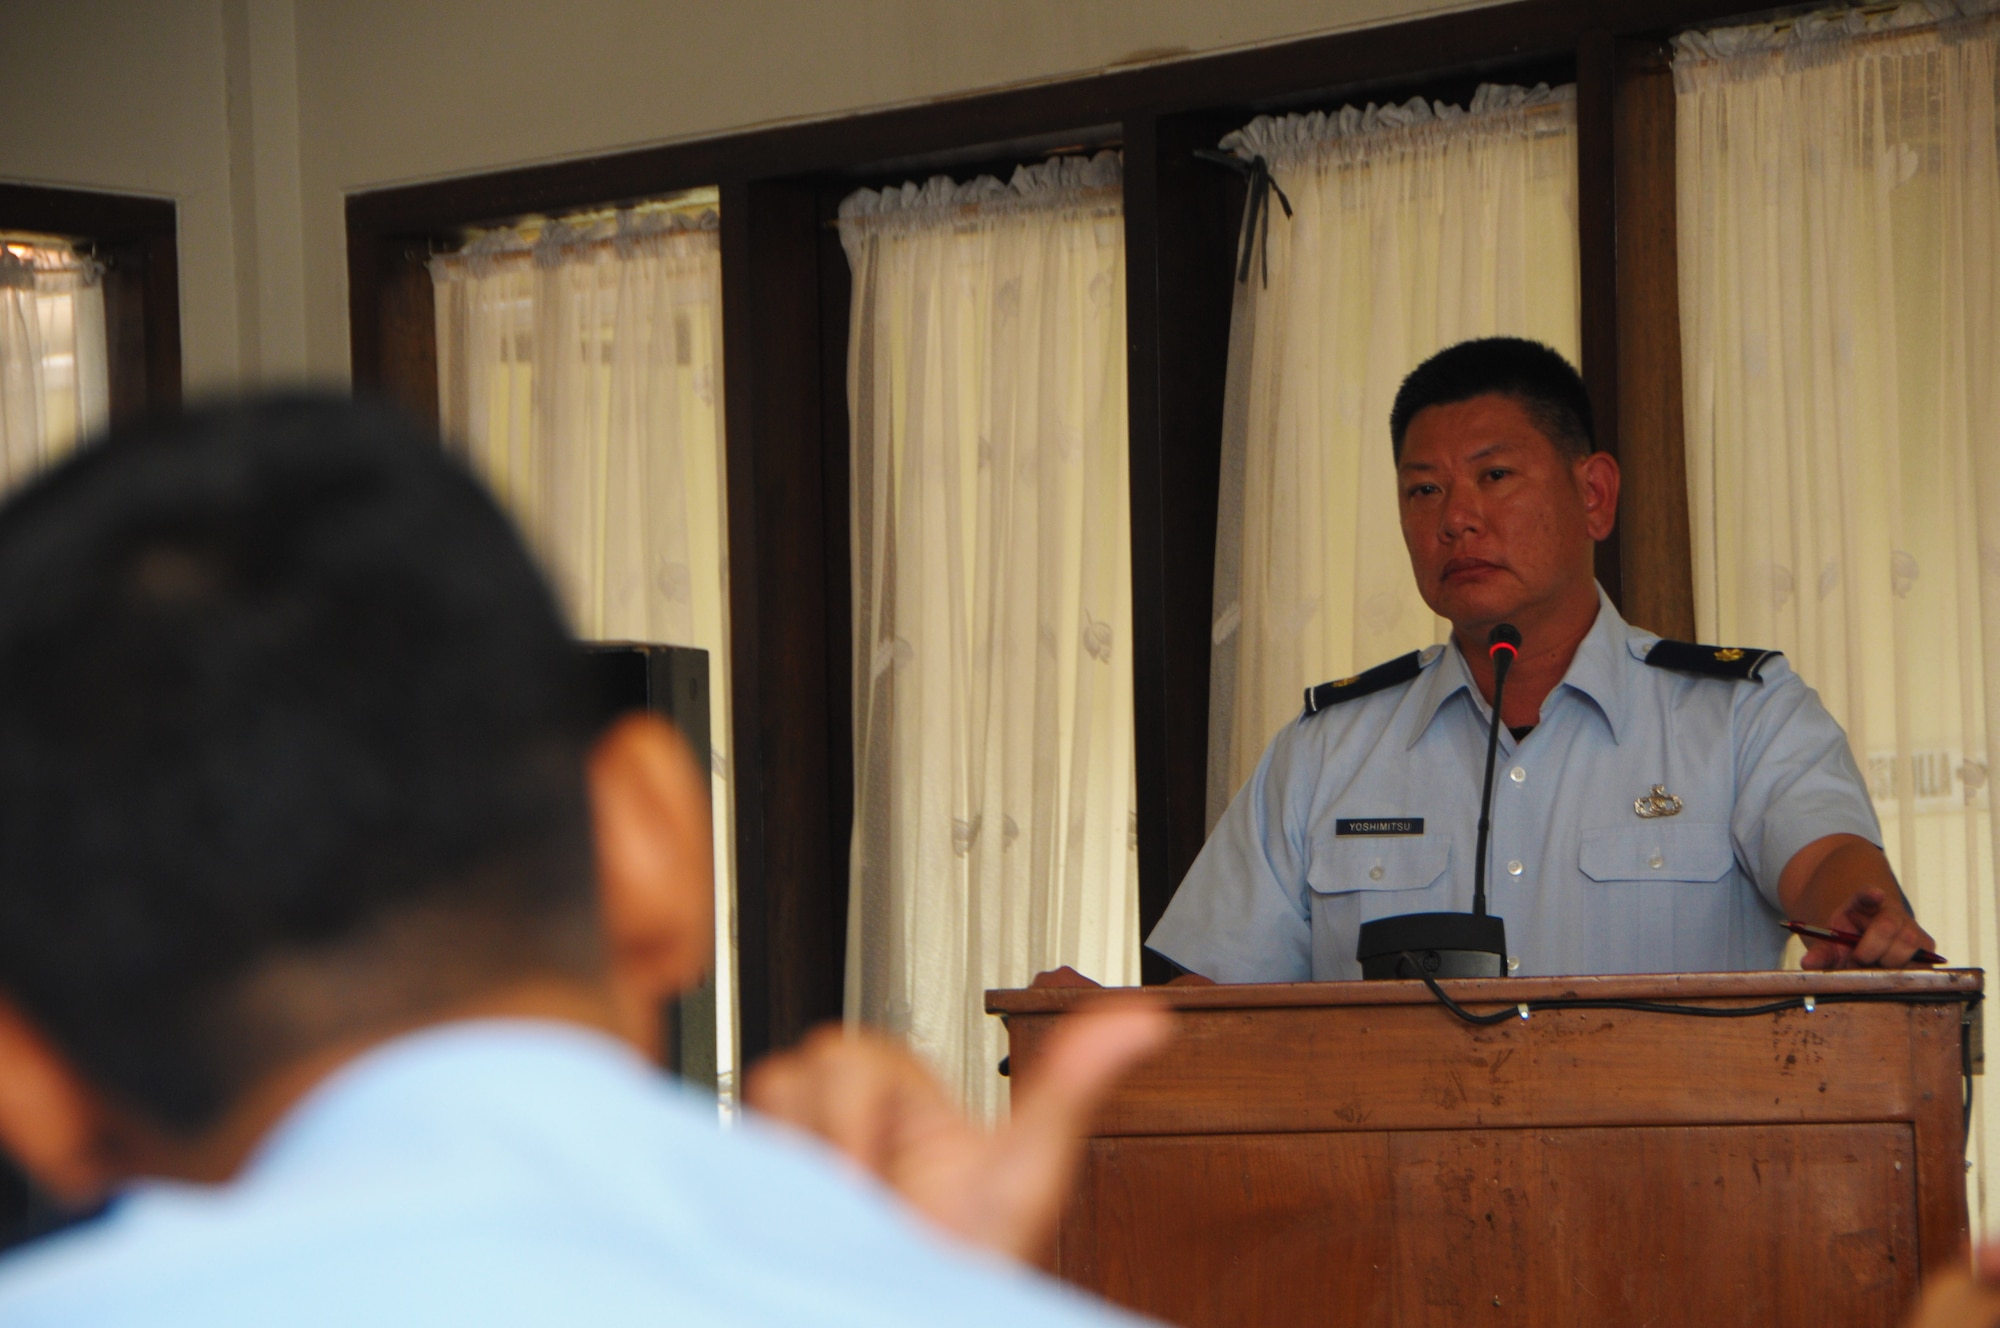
[{"x": 1504, "y": 636}]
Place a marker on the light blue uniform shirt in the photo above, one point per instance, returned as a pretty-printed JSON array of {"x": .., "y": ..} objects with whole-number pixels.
[
  {"x": 516, "y": 1172},
  {"x": 1584, "y": 883}
]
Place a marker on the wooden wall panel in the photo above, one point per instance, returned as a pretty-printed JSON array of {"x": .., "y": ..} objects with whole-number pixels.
[
  {"x": 787, "y": 641},
  {"x": 1181, "y": 217},
  {"x": 1596, "y": 251},
  {"x": 407, "y": 374},
  {"x": 1504, "y": 1227},
  {"x": 392, "y": 322},
  {"x": 1653, "y": 511},
  {"x": 127, "y": 334}
]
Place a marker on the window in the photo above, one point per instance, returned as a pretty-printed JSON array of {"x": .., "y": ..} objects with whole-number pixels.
[
  {"x": 579, "y": 370},
  {"x": 786, "y": 287},
  {"x": 120, "y": 253},
  {"x": 89, "y": 333},
  {"x": 1410, "y": 227},
  {"x": 992, "y": 590},
  {"x": 1839, "y": 189},
  {"x": 54, "y": 387}
]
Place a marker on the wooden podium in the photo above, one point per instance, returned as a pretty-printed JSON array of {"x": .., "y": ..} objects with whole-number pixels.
[{"x": 1352, "y": 1153}]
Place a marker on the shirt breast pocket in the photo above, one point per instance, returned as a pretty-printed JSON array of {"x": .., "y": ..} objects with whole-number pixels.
[
  {"x": 1355, "y": 863},
  {"x": 1688, "y": 851}
]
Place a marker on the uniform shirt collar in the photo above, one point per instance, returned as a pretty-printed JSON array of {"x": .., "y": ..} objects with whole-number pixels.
[{"x": 1597, "y": 671}]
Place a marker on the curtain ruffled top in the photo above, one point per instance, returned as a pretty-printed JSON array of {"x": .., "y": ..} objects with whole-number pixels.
[
  {"x": 1356, "y": 132},
  {"x": 1748, "y": 50},
  {"x": 1060, "y": 181},
  {"x": 627, "y": 231},
  {"x": 46, "y": 266}
]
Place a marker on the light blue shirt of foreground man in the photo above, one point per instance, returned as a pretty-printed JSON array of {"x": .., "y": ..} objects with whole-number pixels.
[
  {"x": 496, "y": 1172},
  {"x": 1658, "y": 806},
  {"x": 334, "y": 932}
]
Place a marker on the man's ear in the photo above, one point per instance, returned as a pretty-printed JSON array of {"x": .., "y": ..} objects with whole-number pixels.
[
  {"x": 1597, "y": 479},
  {"x": 53, "y": 1124},
  {"x": 655, "y": 866}
]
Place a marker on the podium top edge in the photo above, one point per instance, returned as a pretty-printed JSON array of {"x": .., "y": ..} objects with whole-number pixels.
[{"x": 1950, "y": 984}]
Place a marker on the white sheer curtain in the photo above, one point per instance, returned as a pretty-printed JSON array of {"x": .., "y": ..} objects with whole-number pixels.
[
  {"x": 54, "y": 387},
  {"x": 994, "y": 826},
  {"x": 1413, "y": 227},
  {"x": 1839, "y": 226},
  {"x": 579, "y": 370}
]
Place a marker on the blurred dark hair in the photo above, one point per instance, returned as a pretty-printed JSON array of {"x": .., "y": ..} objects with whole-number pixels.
[
  {"x": 273, "y": 676},
  {"x": 1545, "y": 384}
]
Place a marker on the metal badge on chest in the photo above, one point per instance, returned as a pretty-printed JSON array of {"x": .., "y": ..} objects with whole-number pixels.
[{"x": 1657, "y": 803}]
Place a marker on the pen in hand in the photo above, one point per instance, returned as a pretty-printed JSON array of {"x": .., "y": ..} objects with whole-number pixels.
[{"x": 1851, "y": 938}]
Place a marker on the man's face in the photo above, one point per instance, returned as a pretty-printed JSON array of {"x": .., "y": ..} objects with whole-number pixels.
[{"x": 1499, "y": 523}]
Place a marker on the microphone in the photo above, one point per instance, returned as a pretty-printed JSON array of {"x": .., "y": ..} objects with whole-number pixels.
[
  {"x": 1451, "y": 945},
  {"x": 1503, "y": 647}
]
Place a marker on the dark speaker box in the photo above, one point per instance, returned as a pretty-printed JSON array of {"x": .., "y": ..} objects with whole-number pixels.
[{"x": 672, "y": 682}]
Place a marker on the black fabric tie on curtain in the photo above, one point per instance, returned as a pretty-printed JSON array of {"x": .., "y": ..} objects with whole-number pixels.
[{"x": 1256, "y": 209}]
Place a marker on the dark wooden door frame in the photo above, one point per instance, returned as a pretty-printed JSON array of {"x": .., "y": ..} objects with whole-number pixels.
[
  {"x": 785, "y": 337},
  {"x": 135, "y": 239}
]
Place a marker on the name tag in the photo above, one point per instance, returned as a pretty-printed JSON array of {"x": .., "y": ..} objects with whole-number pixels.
[{"x": 1387, "y": 825}]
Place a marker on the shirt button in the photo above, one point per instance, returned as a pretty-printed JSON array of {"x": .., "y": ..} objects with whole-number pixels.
[
  {"x": 1374, "y": 873},
  {"x": 1518, "y": 775},
  {"x": 1657, "y": 861},
  {"x": 1515, "y": 868}
]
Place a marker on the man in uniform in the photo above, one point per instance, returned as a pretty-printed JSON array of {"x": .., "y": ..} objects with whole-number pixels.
[{"x": 1659, "y": 806}]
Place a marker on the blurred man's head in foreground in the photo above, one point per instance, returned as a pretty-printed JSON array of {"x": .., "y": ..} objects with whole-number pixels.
[{"x": 294, "y": 757}]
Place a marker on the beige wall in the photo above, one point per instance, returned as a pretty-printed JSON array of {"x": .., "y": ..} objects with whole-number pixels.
[
  {"x": 260, "y": 116},
  {"x": 131, "y": 98}
]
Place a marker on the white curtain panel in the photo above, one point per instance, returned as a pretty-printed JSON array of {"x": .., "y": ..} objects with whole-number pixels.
[
  {"x": 579, "y": 372},
  {"x": 1839, "y": 225},
  {"x": 1413, "y": 227},
  {"x": 994, "y": 827},
  {"x": 54, "y": 384}
]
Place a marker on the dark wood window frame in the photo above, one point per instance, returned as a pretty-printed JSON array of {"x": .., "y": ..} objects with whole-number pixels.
[
  {"x": 135, "y": 239},
  {"x": 785, "y": 291}
]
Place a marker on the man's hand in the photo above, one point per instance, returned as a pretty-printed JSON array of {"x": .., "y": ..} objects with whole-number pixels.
[
  {"x": 1963, "y": 1300},
  {"x": 1890, "y": 937},
  {"x": 1845, "y": 882},
  {"x": 874, "y": 1101}
]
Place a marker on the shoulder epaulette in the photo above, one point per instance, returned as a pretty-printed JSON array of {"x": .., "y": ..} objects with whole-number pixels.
[
  {"x": 1738, "y": 662},
  {"x": 1401, "y": 669}
]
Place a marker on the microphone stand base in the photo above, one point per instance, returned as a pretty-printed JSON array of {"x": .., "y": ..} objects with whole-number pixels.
[{"x": 1447, "y": 945}]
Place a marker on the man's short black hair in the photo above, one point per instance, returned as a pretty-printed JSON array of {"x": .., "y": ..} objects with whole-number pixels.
[
  {"x": 275, "y": 677},
  {"x": 1548, "y": 388}
]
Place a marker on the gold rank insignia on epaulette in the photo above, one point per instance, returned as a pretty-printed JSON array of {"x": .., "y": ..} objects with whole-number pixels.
[
  {"x": 1400, "y": 669},
  {"x": 1736, "y": 662}
]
